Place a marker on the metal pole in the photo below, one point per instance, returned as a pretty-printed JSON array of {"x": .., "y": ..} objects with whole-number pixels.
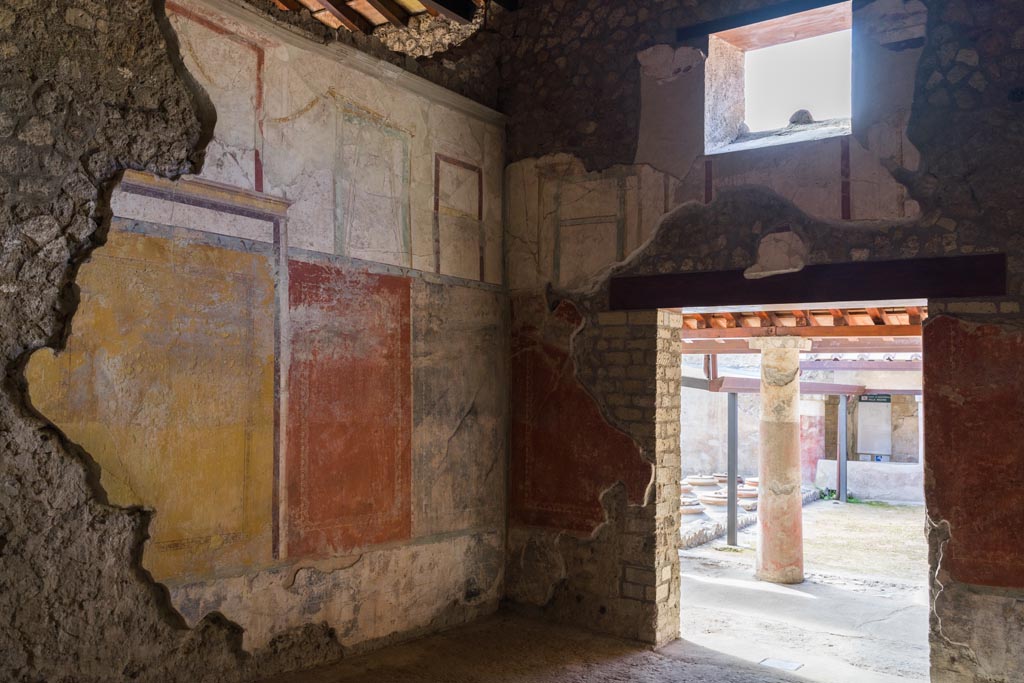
[
  {"x": 841, "y": 479},
  {"x": 733, "y": 466}
]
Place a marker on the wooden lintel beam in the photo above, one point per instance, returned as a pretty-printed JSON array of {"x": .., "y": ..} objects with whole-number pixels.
[
  {"x": 924, "y": 278},
  {"x": 461, "y": 11},
  {"x": 775, "y": 11},
  {"x": 348, "y": 17},
  {"x": 392, "y": 11}
]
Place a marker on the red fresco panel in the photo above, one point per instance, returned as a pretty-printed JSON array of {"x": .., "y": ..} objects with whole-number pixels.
[
  {"x": 812, "y": 445},
  {"x": 349, "y": 424},
  {"x": 563, "y": 452},
  {"x": 974, "y": 400}
]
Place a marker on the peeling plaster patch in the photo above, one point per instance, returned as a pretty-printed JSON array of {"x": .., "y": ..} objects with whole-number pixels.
[
  {"x": 778, "y": 253},
  {"x": 672, "y": 98},
  {"x": 664, "y": 64},
  {"x": 427, "y": 587}
]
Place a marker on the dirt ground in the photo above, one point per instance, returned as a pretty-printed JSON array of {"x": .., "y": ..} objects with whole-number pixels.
[{"x": 861, "y": 615}]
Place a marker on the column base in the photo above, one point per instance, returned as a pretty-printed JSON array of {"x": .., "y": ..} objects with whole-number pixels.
[{"x": 786, "y": 576}]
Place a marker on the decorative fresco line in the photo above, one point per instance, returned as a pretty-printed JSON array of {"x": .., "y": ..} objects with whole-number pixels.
[{"x": 472, "y": 168}]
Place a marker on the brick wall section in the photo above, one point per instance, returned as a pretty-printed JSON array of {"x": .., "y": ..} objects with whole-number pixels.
[{"x": 635, "y": 373}]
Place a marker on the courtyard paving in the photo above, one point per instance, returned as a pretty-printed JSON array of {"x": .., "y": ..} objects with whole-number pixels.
[{"x": 861, "y": 615}]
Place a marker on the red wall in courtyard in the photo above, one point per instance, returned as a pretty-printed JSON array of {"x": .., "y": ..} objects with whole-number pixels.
[
  {"x": 349, "y": 423},
  {"x": 812, "y": 445},
  {"x": 974, "y": 447},
  {"x": 563, "y": 452}
]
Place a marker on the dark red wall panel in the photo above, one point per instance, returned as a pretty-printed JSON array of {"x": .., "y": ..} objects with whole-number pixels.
[
  {"x": 349, "y": 426},
  {"x": 974, "y": 447},
  {"x": 563, "y": 452}
]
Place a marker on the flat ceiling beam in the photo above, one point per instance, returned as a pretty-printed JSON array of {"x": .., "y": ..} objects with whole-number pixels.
[
  {"x": 751, "y": 385},
  {"x": 349, "y": 18},
  {"x": 703, "y": 347},
  {"x": 781, "y": 9},
  {"x": 926, "y": 278},
  {"x": 461, "y": 11}
]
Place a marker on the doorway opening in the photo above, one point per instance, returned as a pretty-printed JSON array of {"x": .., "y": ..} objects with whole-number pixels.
[{"x": 802, "y": 504}]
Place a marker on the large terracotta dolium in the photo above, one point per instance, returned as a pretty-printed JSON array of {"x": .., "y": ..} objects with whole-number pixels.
[{"x": 780, "y": 547}]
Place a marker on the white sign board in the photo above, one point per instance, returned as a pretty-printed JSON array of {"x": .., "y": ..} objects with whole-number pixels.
[{"x": 874, "y": 424}]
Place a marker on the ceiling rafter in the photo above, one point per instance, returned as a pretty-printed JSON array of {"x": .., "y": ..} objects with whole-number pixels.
[
  {"x": 392, "y": 11},
  {"x": 347, "y": 16}
]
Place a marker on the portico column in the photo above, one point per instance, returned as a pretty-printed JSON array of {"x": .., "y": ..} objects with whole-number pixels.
[{"x": 780, "y": 543}]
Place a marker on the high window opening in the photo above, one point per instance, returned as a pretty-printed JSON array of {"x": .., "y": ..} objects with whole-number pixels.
[
  {"x": 813, "y": 74},
  {"x": 780, "y": 81}
]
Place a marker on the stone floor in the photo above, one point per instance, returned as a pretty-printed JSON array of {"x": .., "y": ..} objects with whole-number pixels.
[
  {"x": 512, "y": 649},
  {"x": 861, "y": 616}
]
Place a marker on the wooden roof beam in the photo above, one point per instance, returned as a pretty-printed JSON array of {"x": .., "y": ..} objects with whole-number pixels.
[
  {"x": 392, "y": 11},
  {"x": 287, "y": 5},
  {"x": 348, "y": 17},
  {"x": 461, "y": 11}
]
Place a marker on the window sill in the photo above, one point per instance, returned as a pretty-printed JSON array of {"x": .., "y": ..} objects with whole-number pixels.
[{"x": 819, "y": 130}]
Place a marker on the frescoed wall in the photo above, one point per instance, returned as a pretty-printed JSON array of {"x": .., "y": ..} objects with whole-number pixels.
[
  {"x": 567, "y": 453},
  {"x": 349, "y": 430},
  {"x": 168, "y": 380},
  {"x": 263, "y": 353}
]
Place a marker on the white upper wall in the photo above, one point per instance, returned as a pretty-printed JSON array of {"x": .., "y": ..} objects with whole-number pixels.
[{"x": 362, "y": 150}]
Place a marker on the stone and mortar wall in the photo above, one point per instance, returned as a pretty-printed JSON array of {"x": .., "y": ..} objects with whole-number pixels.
[{"x": 74, "y": 600}]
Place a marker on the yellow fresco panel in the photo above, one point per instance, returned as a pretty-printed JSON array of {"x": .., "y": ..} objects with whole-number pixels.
[{"x": 168, "y": 383}]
